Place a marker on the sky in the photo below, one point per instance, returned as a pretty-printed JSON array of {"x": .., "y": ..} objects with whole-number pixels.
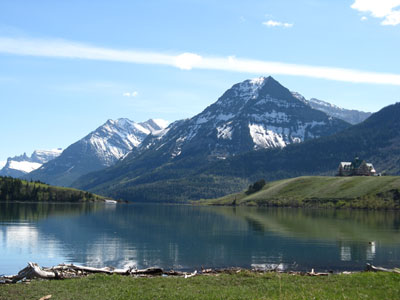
[{"x": 66, "y": 67}]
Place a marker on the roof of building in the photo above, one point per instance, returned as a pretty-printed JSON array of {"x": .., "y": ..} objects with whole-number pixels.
[{"x": 356, "y": 164}]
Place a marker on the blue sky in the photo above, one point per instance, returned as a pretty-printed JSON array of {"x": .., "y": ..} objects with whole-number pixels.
[{"x": 68, "y": 66}]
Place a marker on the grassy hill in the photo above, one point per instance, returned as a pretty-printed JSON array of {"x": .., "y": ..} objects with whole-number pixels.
[
  {"x": 322, "y": 191},
  {"x": 12, "y": 189}
]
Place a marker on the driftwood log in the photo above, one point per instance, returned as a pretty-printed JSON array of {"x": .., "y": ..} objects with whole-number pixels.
[
  {"x": 372, "y": 268},
  {"x": 64, "y": 271}
]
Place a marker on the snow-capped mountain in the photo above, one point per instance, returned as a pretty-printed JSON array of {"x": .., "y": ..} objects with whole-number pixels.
[
  {"x": 351, "y": 116},
  {"x": 99, "y": 149},
  {"x": 18, "y": 166},
  {"x": 252, "y": 115}
]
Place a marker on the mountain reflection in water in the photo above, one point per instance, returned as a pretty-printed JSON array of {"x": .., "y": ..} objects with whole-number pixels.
[{"x": 189, "y": 237}]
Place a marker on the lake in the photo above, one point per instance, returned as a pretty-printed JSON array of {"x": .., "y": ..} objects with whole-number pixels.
[{"x": 184, "y": 237}]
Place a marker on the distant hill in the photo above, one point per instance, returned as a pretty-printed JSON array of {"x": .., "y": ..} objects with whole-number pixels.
[
  {"x": 250, "y": 116},
  {"x": 373, "y": 192},
  {"x": 13, "y": 189}
]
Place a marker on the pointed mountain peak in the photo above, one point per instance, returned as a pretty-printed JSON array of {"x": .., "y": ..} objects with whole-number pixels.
[
  {"x": 276, "y": 90},
  {"x": 261, "y": 87},
  {"x": 252, "y": 84},
  {"x": 261, "y": 81}
]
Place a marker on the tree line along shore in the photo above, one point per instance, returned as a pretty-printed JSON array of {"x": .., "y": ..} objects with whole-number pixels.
[
  {"x": 358, "y": 192},
  {"x": 13, "y": 189}
]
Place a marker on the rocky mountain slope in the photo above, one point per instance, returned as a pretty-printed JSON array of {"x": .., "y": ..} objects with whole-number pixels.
[
  {"x": 376, "y": 140},
  {"x": 20, "y": 165},
  {"x": 252, "y": 115},
  {"x": 99, "y": 149}
]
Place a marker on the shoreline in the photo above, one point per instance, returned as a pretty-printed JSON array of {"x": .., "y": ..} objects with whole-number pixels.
[
  {"x": 234, "y": 285},
  {"x": 70, "y": 271}
]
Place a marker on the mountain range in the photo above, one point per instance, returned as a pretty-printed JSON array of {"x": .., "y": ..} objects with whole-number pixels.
[
  {"x": 351, "y": 116},
  {"x": 99, "y": 149},
  {"x": 242, "y": 137},
  {"x": 20, "y": 165},
  {"x": 377, "y": 140},
  {"x": 176, "y": 164}
]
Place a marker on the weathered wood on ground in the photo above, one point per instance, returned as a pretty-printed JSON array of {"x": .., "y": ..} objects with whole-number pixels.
[
  {"x": 380, "y": 269},
  {"x": 64, "y": 271}
]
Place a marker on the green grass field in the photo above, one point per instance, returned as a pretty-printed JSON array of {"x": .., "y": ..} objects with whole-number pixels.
[
  {"x": 322, "y": 191},
  {"x": 245, "y": 285}
]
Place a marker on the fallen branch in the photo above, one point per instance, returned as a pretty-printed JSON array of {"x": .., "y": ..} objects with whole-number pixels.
[
  {"x": 312, "y": 273},
  {"x": 106, "y": 270},
  {"x": 191, "y": 275},
  {"x": 372, "y": 268}
]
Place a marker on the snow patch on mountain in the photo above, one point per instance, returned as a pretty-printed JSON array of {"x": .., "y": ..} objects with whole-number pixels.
[
  {"x": 225, "y": 131},
  {"x": 264, "y": 138},
  {"x": 160, "y": 123},
  {"x": 2, "y": 163},
  {"x": 24, "y": 166}
]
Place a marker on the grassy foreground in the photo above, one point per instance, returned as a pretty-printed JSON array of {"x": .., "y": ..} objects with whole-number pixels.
[
  {"x": 322, "y": 191},
  {"x": 244, "y": 285}
]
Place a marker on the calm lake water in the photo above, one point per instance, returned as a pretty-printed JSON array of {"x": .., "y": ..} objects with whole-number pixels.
[{"x": 187, "y": 237}]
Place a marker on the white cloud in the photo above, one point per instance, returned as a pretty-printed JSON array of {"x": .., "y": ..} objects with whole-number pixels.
[
  {"x": 272, "y": 23},
  {"x": 187, "y": 61},
  {"x": 130, "y": 94},
  {"x": 388, "y": 10},
  {"x": 364, "y": 18}
]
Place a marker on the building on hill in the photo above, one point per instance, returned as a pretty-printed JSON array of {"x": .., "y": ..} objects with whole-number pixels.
[{"x": 357, "y": 167}]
